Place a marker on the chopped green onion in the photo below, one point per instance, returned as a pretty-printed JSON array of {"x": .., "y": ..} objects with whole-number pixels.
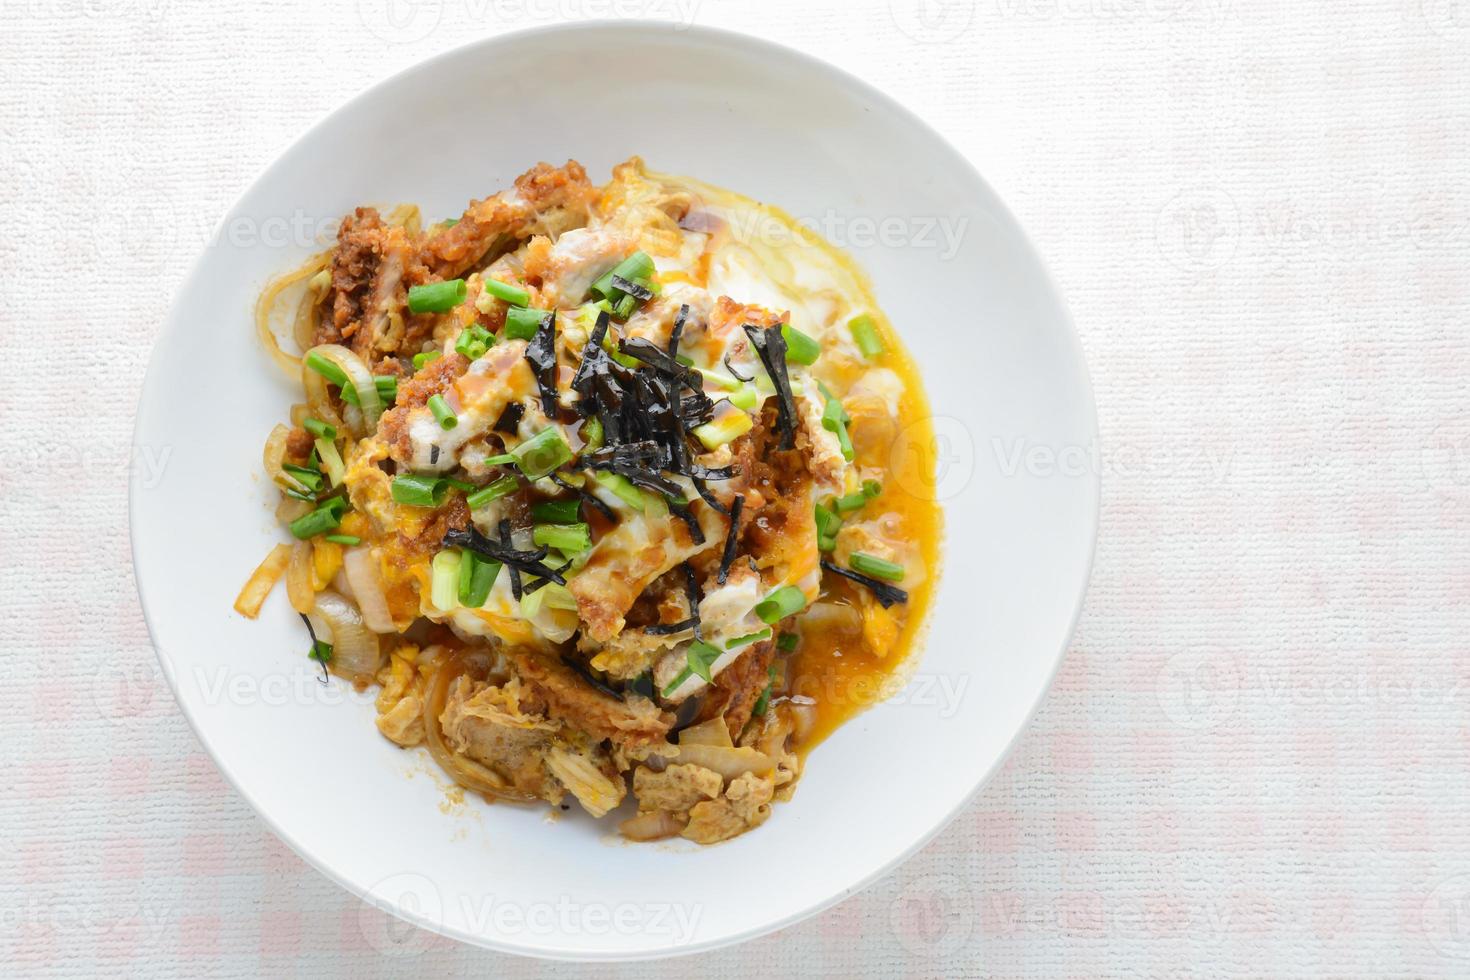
[
  {"x": 567, "y": 538},
  {"x": 746, "y": 398},
  {"x": 592, "y": 434},
  {"x": 867, "y": 564},
  {"x": 386, "y": 384},
  {"x": 436, "y": 297},
  {"x": 720, "y": 380},
  {"x": 785, "y": 601},
  {"x": 557, "y": 511},
  {"x": 321, "y": 652},
  {"x": 522, "y": 323},
  {"x": 442, "y": 412},
  {"x": 463, "y": 486},
  {"x": 476, "y": 577},
  {"x": 622, "y": 488},
  {"x": 427, "y": 357},
  {"x": 634, "y": 267},
  {"x": 315, "y": 522},
  {"x": 835, "y": 419},
  {"x": 541, "y": 454},
  {"x": 787, "y": 642},
  {"x": 319, "y": 428},
  {"x": 721, "y": 430},
  {"x": 701, "y": 656},
  {"x": 347, "y": 539},
  {"x": 828, "y": 524},
  {"x": 800, "y": 348},
  {"x": 624, "y": 307},
  {"x": 444, "y": 579},
  {"x": 871, "y": 488},
  {"x": 309, "y": 478},
  {"x": 741, "y": 641},
  {"x": 418, "y": 490},
  {"x": 764, "y": 701},
  {"x": 331, "y": 460},
  {"x": 503, "y": 487},
  {"x": 865, "y": 335},
  {"x": 850, "y": 503},
  {"x": 514, "y": 295},
  {"x": 474, "y": 341}
]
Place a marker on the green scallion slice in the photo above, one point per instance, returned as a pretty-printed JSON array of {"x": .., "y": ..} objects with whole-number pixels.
[
  {"x": 442, "y": 412},
  {"x": 309, "y": 478},
  {"x": 787, "y": 642},
  {"x": 418, "y": 490},
  {"x": 570, "y": 539},
  {"x": 785, "y": 601},
  {"x": 436, "y": 297},
  {"x": 865, "y": 335},
  {"x": 634, "y": 267},
  {"x": 557, "y": 511},
  {"x": 476, "y": 577},
  {"x": 474, "y": 341},
  {"x": 541, "y": 454},
  {"x": 315, "y": 522},
  {"x": 347, "y": 539},
  {"x": 319, "y": 428},
  {"x": 444, "y": 579},
  {"x": 427, "y": 357},
  {"x": 514, "y": 295},
  {"x": 834, "y": 420},
  {"x": 801, "y": 348},
  {"x": 748, "y": 638},
  {"x": 521, "y": 323},
  {"x": 503, "y": 487},
  {"x": 867, "y": 564}
]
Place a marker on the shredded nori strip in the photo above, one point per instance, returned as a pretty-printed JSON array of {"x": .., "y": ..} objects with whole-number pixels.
[
  {"x": 709, "y": 498},
  {"x": 649, "y": 353},
  {"x": 886, "y": 594},
  {"x": 642, "y": 685},
  {"x": 529, "y": 562},
  {"x": 502, "y": 530},
  {"x": 681, "y": 511},
  {"x": 580, "y": 669},
  {"x": 708, "y": 473},
  {"x": 532, "y": 587},
  {"x": 691, "y": 594},
  {"x": 593, "y": 357},
  {"x": 510, "y": 419},
  {"x": 312, "y": 633},
  {"x": 771, "y": 346},
  {"x": 734, "y": 373},
  {"x": 728, "y": 556},
  {"x": 433, "y": 453},
  {"x": 678, "y": 332},
  {"x": 541, "y": 352},
  {"x": 669, "y": 629},
  {"x": 588, "y": 497},
  {"x": 695, "y": 408},
  {"x": 637, "y": 290}
]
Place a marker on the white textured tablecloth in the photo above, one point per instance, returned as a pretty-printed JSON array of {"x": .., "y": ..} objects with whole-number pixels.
[{"x": 1256, "y": 759}]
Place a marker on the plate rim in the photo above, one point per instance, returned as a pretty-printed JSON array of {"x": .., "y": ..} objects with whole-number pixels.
[{"x": 760, "y": 46}]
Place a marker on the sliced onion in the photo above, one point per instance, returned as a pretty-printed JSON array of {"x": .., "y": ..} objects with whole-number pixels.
[
  {"x": 275, "y": 455},
  {"x": 463, "y": 770},
  {"x": 729, "y": 763},
  {"x": 366, "y": 579},
  {"x": 299, "y": 578},
  {"x": 266, "y": 305},
  {"x": 652, "y": 826},
  {"x": 262, "y": 580},
  {"x": 291, "y": 508},
  {"x": 356, "y": 655},
  {"x": 361, "y": 379},
  {"x": 712, "y": 732}
]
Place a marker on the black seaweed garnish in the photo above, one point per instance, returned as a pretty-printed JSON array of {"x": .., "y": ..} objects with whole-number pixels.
[
  {"x": 312, "y": 655},
  {"x": 580, "y": 669},
  {"x": 637, "y": 290},
  {"x": 731, "y": 538},
  {"x": 502, "y": 551},
  {"x": 681, "y": 511},
  {"x": 771, "y": 346},
  {"x": 541, "y": 352},
  {"x": 536, "y": 585},
  {"x": 510, "y": 419},
  {"x": 691, "y": 594},
  {"x": 669, "y": 629},
  {"x": 593, "y": 358},
  {"x": 642, "y": 685},
  {"x": 886, "y": 594},
  {"x": 713, "y": 473},
  {"x": 588, "y": 497},
  {"x": 433, "y": 453},
  {"x": 649, "y": 353},
  {"x": 709, "y": 498},
  {"x": 678, "y": 332},
  {"x": 734, "y": 373}
]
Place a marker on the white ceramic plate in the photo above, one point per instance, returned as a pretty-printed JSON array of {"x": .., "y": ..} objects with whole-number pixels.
[{"x": 963, "y": 286}]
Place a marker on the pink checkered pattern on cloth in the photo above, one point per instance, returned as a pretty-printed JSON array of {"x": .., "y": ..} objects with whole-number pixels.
[{"x": 1255, "y": 759}]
